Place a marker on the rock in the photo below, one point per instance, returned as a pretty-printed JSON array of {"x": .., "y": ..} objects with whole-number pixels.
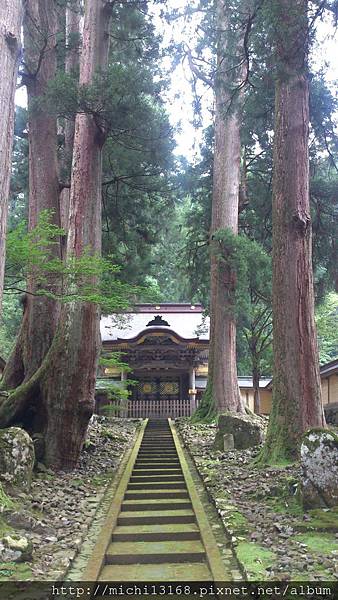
[
  {"x": 16, "y": 458},
  {"x": 19, "y": 544},
  {"x": 331, "y": 413},
  {"x": 7, "y": 555},
  {"x": 247, "y": 430},
  {"x": 228, "y": 442},
  {"x": 319, "y": 462},
  {"x": 19, "y": 520}
]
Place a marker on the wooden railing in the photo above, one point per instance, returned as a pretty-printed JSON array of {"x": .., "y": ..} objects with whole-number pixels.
[{"x": 173, "y": 407}]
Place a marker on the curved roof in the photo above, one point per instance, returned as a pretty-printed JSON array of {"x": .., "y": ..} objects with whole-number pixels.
[{"x": 188, "y": 323}]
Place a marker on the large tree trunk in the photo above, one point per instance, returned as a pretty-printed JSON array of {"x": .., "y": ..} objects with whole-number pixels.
[
  {"x": 11, "y": 13},
  {"x": 73, "y": 16},
  {"x": 68, "y": 382},
  {"x": 297, "y": 401},
  {"x": 223, "y": 382},
  {"x": 41, "y": 313},
  {"x": 62, "y": 390}
]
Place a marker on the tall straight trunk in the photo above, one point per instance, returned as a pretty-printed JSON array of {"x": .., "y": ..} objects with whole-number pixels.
[
  {"x": 41, "y": 313},
  {"x": 73, "y": 16},
  {"x": 11, "y": 14},
  {"x": 297, "y": 403},
  {"x": 68, "y": 381},
  {"x": 61, "y": 391},
  {"x": 223, "y": 381}
]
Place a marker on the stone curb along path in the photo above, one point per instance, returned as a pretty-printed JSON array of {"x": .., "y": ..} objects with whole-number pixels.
[
  {"x": 156, "y": 528},
  {"x": 226, "y": 532},
  {"x": 76, "y": 569}
]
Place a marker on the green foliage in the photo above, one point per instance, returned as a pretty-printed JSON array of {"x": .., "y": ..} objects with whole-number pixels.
[
  {"x": 327, "y": 328},
  {"x": 116, "y": 392},
  {"x": 127, "y": 104},
  {"x": 250, "y": 265},
  {"x": 87, "y": 278},
  {"x": 114, "y": 360},
  {"x": 10, "y": 321}
]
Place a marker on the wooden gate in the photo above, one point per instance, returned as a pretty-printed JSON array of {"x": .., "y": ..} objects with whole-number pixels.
[{"x": 158, "y": 397}]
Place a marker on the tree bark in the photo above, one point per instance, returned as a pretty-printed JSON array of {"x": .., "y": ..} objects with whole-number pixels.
[
  {"x": 60, "y": 394},
  {"x": 73, "y": 16},
  {"x": 68, "y": 383},
  {"x": 11, "y": 14},
  {"x": 41, "y": 313},
  {"x": 223, "y": 381},
  {"x": 297, "y": 403}
]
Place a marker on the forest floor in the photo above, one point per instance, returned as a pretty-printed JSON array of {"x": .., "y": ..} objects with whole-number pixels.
[
  {"x": 57, "y": 513},
  {"x": 273, "y": 538}
]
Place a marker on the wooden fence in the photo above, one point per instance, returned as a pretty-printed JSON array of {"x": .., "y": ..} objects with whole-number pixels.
[{"x": 173, "y": 407}]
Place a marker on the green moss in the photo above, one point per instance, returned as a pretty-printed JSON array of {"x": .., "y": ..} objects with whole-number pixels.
[
  {"x": 320, "y": 520},
  {"x": 77, "y": 482},
  {"x": 319, "y": 543},
  {"x": 238, "y": 522},
  {"x": 4, "y": 528},
  {"x": 15, "y": 571},
  {"x": 6, "y": 570},
  {"x": 206, "y": 412},
  {"x": 285, "y": 505},
  {"x": 99, "y": 480},
  {"x": 322, "y": 430},
  {"x": 255, "y": 559},
  {"x": 44, "y": 476},
  {"x": 5, "y": 501},
  {"x": 275, "y": 459},
  {"x": 318, "y": 568}
]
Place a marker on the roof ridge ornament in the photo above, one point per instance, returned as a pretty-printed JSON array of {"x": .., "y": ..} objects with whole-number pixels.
[{"x": 158, "y": 321}]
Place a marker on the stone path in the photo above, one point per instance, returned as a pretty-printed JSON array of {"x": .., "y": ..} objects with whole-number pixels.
[{"x": 157, "y": 528}]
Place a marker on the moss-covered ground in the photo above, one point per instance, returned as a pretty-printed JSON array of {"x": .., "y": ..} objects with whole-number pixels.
[
  {"x": 271, "y": 534},
  {"x": 255, "y": 558},
  {"x": 55, "y": 515}
]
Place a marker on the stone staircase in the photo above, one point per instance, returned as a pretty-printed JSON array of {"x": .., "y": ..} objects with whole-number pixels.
[{"x": 157, "y": 537}]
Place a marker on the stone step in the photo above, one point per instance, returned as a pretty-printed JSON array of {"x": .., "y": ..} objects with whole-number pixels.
[
  {"x": 157, "y": 485},
  {"x": 156, "y": 465},
  {"x": 157, "y": 459},
  {"x": 157, "y": 453},
  {"x": 157, "y": 438},
  {"x": 150, "y": 505},
  {"x": 157, "y": 572},
  {"x": 156, "y": 478},
  {"x": 129, "y": 553},
  {"x": 155, "y": 494},
  {"x": 164, "y": 531},
  {"x": 156, "y": 517},
  {"x": 158, "y": 444},
  {"x": 163, "y": 471}
]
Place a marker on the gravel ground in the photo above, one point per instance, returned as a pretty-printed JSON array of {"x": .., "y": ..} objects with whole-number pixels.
[
  {"x": 55, "y": 516},
  {"x": 272, "y": 537}
]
